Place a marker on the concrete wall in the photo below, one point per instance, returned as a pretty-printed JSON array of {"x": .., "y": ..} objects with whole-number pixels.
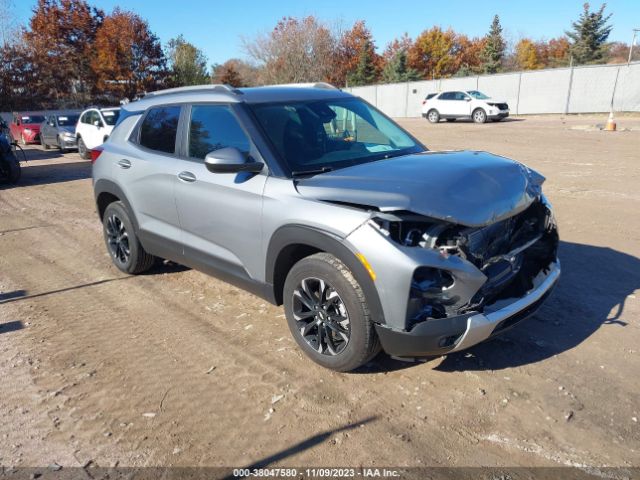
[{"x": 559, "y": 90}]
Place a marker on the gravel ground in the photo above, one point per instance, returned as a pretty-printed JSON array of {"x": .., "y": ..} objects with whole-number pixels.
[{"x": 177, "y": 368}]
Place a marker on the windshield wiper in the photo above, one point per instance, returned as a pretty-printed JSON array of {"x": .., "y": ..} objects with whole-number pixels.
[{"x": 302, "y": 173}]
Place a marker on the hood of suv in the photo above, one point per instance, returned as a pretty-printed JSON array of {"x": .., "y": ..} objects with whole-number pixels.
[{"x": 469, "y": 188}]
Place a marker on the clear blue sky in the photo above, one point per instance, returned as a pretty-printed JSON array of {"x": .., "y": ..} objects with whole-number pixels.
[{"x": 218, "y": 26}]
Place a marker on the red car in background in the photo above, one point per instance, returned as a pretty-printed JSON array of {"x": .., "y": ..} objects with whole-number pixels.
[{"x": 25, "y": 127}]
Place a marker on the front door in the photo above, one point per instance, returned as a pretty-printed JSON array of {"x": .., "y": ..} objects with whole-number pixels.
[{"x": 220, "y": 213}]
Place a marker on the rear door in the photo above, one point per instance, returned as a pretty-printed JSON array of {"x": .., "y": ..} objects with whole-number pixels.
[
  {"x": 146, "y": 170},
  {"x": 220, "y": 213}
]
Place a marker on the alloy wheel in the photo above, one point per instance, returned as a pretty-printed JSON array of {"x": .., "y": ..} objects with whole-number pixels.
[
  {"x": 321, "y": 316},
  {"x": 433, "y": 117},
  {"x": 118, "y": 239}
]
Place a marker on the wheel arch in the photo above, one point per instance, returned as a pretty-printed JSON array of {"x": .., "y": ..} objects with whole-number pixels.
[
  {"x": 107, "y": 192},
  {"x": 292, "y": 243}
]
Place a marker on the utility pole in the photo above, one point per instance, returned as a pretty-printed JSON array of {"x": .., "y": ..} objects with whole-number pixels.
[{"x": 635, "y": 31}]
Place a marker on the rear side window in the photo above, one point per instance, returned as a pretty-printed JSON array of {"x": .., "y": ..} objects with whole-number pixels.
[
  {"x": 159, "y": 129},
  {"x": 430, "y": 96},
  {"x": 213, "y": 127}
]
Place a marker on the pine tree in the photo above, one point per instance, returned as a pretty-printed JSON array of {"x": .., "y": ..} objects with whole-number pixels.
[
  {"x": 366, "y": 71},
  {"x": 589, "y": 35},
  {"x": 396, "y": 69},
  {"x": 494, "y": 48}
]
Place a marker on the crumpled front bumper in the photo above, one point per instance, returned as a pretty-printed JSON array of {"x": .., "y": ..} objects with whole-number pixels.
[{"x": 432, "y": 337}]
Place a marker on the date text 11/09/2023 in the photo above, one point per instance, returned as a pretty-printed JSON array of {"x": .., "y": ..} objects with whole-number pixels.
[{"x": 316, "y": 473}]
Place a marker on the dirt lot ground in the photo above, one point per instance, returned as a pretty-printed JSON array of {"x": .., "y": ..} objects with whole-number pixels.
[{"x": 177, "y": 368}]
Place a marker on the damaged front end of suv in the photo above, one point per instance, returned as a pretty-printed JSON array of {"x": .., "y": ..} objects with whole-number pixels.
[{"x": 455, "y": 270}]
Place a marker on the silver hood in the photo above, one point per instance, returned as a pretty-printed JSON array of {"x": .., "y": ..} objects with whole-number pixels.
[{"x": 466, "y": 187}]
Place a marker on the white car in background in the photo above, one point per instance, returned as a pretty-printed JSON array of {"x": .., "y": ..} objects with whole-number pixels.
[
  {"x": 94, "y": 127},
  {"x": 468, "y": 104}
]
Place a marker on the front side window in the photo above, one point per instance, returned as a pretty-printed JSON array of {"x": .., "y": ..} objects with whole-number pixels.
[
  {"x": 478, "y": 95},
  {"x": 213, "y": 127},
  {"x": 331, "y": 134},
  {"x": 159, "y": 129}
]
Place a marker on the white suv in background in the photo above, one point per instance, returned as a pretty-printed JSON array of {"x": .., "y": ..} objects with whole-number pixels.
[
  {"x": 469, "y": 104},
  {"x": 94, "y": 127}
]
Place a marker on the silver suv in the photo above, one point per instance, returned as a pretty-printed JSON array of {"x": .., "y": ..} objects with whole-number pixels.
[{"x": 310, "y": 197}]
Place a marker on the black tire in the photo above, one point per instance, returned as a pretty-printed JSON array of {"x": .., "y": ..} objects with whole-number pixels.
[
  {"x": 479, "y": 116},
  {"x": 122, "y": 243},
  {"x": 82, "y": 149},
  {"x": 10, "y": 170},
  {"x": 433, "y": 116},
  {"x": 451, "y": 119},
  {"x": 344, "y": 300}
]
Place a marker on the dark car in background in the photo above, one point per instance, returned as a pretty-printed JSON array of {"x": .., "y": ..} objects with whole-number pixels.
[
  {"x": 59, "y": 130},
  {"x": 25, "y": 127}
]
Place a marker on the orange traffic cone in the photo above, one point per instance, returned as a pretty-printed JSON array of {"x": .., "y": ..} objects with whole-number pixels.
[{"x": 611, "y": 123}]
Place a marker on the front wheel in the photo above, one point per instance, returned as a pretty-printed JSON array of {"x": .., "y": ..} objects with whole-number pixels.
[
  {"x": 127, "y": 253},
  {"x": 479, "y": 115},
  {"x": 83, "y": 150},
  {"x": 328, "y": 314},
  {"x": 433, "y": 116}
]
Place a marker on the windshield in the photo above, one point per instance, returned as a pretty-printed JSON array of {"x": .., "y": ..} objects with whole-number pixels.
[
  {"x": 110, "y": 116},
  {"x": 478, "y": 95},
  {"x": 67, "y": 120},
  {"x": 331, "y": 134},
  {"x": 32, "y": 119}
]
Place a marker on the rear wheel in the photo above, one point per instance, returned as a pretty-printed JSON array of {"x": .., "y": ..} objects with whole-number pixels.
[
  {"x": 122, "y": 243},
  {"x": 83, "y": 150},
  {"x": 479, "y": 115},
  {"x": 10, "y": 170},
  {"x": 433, "y": 116},
  {"x": 328, "y": 314}
]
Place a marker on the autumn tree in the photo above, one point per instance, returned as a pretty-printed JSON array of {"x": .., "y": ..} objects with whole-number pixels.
[
  {"x": 527, "y": 55},
  {"x": 494, "y": 48},
  {"x": 355, "y": 46},
  {"x": 589, "y": 35},
  {"x": 234, "y": 72},
  {"x": 60, "y": 37},
  {"x": 129, "y": 59},
  {"x": 296, "y": 50},
  {"x": 556, "y": 52},
  {"x": 468, "y": 52},
  {"x": 433, "y": 53},
  {"x": 187, "y": 63}
]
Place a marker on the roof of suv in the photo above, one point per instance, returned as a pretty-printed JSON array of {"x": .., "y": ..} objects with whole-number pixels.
[{"x": 224, "y": 93}]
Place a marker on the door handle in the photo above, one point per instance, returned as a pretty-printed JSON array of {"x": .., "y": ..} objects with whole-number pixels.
[
  {"x": 124, "y": 163},
  {"x": 187, "y": 177}
]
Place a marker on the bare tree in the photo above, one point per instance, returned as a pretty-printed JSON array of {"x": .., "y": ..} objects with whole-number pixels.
[
  {"x": 296, "y": 50},
  {"x": 8, "y": 23}
]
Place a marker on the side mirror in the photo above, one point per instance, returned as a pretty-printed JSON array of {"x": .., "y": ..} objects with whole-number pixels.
[
  {"x": 230, "y": 160},
  {"x": 97, "y": 123},
  {"x": 468, "y": 99}
]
